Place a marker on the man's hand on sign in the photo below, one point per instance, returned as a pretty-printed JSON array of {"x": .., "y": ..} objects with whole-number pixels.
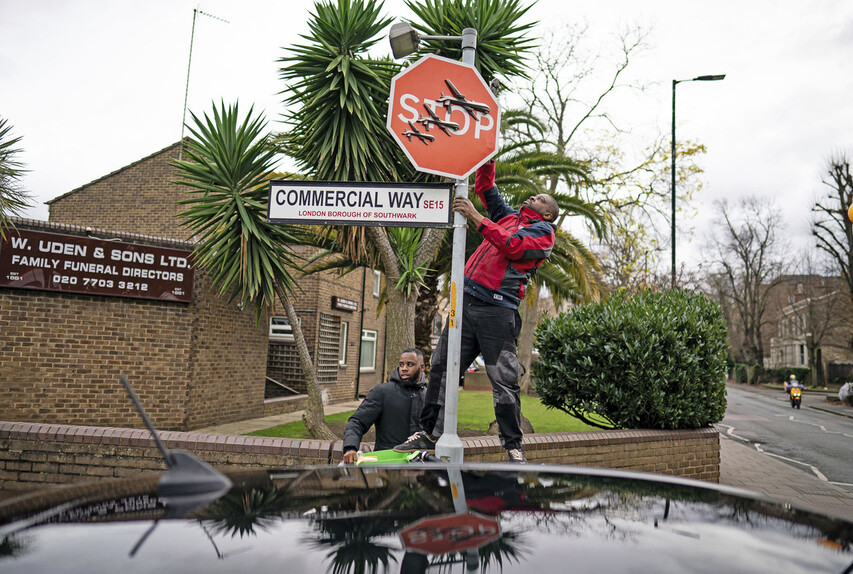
[
  {"x": 464, "y": 206},
  {"x": 350, "y": 456}
]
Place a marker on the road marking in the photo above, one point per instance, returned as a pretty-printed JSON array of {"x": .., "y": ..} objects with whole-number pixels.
[
  {"x": 821, "y": 427},
  {"x": 731, "y": 432},
  {"x": 814, "y": 469}
]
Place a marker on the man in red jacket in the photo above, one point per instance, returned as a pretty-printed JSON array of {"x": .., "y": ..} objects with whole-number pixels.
[{"x": 514, "y": 244}]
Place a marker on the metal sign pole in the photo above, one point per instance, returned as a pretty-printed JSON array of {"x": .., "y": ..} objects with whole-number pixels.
[{"x": 449, "y": 447}]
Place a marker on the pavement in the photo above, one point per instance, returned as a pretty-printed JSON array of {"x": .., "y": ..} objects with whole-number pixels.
[{"x": 741, "y": 464}]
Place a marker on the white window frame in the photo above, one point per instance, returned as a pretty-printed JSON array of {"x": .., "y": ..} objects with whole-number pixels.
[
  {"x": 280, "y": 329},
  {"x": 368, "y": 335},
  {"x": 377, "y": 282},
  {"x": 342, "y": 351}
]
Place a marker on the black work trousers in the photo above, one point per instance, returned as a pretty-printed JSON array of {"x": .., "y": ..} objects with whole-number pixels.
[{"x": 491, "y": 331}]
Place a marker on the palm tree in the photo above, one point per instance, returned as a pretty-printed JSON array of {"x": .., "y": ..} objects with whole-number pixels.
[
  {"x": 13, "y": 199},
  {"x": 338, "y": 97},
  {"x": 227, "y": 166}
]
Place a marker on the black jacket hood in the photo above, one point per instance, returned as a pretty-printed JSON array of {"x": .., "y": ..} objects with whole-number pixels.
[{"x": 408, "y": 385}]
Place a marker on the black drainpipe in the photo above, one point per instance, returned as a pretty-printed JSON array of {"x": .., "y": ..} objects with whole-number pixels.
[{"x": 360, "y": 326}]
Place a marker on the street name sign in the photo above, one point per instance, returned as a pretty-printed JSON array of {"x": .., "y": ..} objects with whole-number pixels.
[{"x": 360, "y": 203}]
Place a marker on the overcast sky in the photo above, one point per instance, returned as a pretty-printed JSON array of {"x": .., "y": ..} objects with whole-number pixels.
[{"x": 93, "y": 85}]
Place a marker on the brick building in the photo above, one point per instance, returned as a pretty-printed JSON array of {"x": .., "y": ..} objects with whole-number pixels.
[
  {"x": 808, "y": 326},
  {"x": 210, "y": 356},
  {"x": 61, "y": 352}
]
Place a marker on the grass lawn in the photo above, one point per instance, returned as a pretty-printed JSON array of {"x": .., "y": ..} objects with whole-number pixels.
[{"x": 475, "y": 414}]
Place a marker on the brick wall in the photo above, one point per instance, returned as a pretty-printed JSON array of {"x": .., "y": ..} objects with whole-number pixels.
[
  {"x": 192, "y": 365},
  {"x": 228, "y": 359},
  {"x": 61, "y": 356},
  {"x": 36, "y": 454},
  {"x": 139, "y": 198}
]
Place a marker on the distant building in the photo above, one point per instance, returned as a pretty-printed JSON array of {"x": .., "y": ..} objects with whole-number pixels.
[{"x": 810, "y": 324}]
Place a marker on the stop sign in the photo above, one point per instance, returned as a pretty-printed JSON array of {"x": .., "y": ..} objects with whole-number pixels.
[
  {"x": 444, "y": 116},
  {"x": 450, "y": 533}
]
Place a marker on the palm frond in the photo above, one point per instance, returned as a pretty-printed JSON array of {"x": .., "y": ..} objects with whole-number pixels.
[
  {"x": 226, "y": 167},
  {"x": 503, "y": 41},
  {"x": 13, "y": 198}
]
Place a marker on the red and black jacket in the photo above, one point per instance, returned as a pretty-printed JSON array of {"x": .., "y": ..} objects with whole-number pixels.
[{"x": 515, "y": 244}]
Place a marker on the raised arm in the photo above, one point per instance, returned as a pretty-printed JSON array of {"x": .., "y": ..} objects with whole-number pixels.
[{"x": 487, "y": 191}]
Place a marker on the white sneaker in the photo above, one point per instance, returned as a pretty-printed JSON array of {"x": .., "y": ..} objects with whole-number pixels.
[{"x": 515, "y": 455}]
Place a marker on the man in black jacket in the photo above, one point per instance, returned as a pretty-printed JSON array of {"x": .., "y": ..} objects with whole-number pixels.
[{"x": 394, "y": 407}]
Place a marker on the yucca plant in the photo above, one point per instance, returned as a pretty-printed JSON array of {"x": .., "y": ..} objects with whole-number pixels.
[
  {"x": 503, "y": 43},
  {"x": 13, "y": 199},
  {"x": 338, "y": 98},
  {"x": 226, "y": 168}
]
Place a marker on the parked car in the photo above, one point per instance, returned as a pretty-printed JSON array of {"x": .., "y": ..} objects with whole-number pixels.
[{"x": 411, "y": 518}]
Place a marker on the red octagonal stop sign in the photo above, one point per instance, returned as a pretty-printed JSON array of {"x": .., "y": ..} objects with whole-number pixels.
[
  {"x": 450, "y": 533},
  {"x": 444, "y": 116}
]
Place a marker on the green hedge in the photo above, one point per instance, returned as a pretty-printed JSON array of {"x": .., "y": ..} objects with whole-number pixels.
[
  {"x": 757, "y": 373},
  {"x": 653, "y": 360},
  {"x": 782, "y": 374}
]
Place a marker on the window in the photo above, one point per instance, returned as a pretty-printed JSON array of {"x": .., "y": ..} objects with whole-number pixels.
[
  {"x": 377, "y": 282},
  {"x": 342, "y": 353},
  {"x": 368, "y": 350},
  {"x": 802, "y": 354},
  {"x": 280, "y": 329}
]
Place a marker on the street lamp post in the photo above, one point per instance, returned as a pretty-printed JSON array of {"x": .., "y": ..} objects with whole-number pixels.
[
  {"x": 675, "y": 83},
  {"x": 404, "y": 41}
]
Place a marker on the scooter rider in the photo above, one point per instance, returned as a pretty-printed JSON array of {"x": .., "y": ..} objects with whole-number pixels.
[{"x": 792, "y": 382}]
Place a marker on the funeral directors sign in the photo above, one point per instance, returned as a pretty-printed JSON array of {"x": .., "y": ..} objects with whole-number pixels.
[
  {"x": 342, "y": 203},
  {"x": 68, "y": 263}
]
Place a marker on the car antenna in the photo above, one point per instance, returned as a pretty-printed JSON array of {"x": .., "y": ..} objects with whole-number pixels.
[{"x": 189, "y": 482}]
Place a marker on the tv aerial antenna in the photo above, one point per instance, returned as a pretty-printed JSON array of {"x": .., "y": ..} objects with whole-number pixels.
[{"x": 196, "y": 13}]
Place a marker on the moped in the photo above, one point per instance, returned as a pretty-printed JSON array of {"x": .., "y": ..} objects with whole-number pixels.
[{"x": 796, "y": 397}]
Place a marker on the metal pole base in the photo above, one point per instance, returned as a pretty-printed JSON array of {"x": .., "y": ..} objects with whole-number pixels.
[{"x": 449, "y": 448}]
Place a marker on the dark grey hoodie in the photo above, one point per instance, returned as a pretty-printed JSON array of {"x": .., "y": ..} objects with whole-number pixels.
[{"x": 394, "y": 407}]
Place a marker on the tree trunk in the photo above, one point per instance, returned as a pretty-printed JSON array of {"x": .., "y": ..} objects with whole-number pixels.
[
  {"x": 528, "y": 309},
  {"x": 426, "y": 310},
  {"x": 314, "y": 416},
  {"x": 400, "y": 310},
  {"x": 399, "y": 325}
]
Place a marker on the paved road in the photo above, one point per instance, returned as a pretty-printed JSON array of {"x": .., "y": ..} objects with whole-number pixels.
[{"x": 811, "y": 440}]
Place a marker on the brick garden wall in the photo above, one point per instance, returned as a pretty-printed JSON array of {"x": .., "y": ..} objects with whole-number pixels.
[
  {"x": 282, "y": 405},
  {"x": 36, "y": 454}
]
